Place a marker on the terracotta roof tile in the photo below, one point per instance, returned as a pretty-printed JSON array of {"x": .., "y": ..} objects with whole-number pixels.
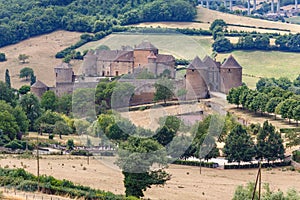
[
  {"x": 162, "y": 58},
  {"x": 197, "y": 64},
  {"x": 146, "y": 46}
]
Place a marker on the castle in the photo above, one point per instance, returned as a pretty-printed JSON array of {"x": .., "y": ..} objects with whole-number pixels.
[
  {"x": 201, "y": 78},
  {"x": 107, "y": 63}
]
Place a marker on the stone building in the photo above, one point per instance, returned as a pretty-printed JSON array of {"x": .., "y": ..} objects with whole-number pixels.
[
  {"x": 109, "y": 63},
  {"x": 64, "y": 81},
  {"x": 210, "y": 75}
]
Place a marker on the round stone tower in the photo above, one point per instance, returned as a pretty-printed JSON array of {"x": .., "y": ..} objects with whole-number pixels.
[
  {"x": 195, "y": 82},
  {"x": 39, "y": 88},
  {"x": 230, "y": 74}
]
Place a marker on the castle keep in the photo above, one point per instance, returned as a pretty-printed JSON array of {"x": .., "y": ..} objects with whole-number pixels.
[{"x": 201, "y": 78}]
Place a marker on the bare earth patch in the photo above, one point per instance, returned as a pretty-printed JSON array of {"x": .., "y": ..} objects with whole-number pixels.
[{"x": 42, "y": 50}]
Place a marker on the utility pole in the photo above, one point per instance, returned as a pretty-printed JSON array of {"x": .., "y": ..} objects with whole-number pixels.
[
  {"x": 38, "y": 160},
  {"x": 200, "y": 157},
  {"x": 258, "y": 180}
]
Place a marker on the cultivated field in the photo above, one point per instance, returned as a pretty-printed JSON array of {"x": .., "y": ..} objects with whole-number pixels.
[
  {"x": 186, "y": 182},
  {"x": 42, "y": 50}
]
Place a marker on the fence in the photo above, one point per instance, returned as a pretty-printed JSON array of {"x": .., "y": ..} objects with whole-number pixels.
[{"x": 11, "y": 193}]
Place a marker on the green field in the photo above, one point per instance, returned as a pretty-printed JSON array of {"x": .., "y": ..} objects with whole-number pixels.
[{"x": 255, "y": 63}]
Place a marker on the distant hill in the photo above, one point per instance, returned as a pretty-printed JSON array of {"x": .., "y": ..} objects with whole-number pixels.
[{"x": 21, "y": 19}]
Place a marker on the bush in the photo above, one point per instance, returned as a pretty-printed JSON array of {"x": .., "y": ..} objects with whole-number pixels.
[
  {"x": 81, "y": 153},
  {"x": 27, "y": 185},
  {"x": 196, "y": 163},
  {"x": 296, "y": 156},
  {"x": 256, "y": 165},
  {"x": 14, "y": 144},
  {"x": 2, "y": 57}
]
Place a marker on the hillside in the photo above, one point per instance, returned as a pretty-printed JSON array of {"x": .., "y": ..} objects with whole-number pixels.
[
  {"x": 41, "y": 50},
  {"x": 22, "y": 19}
]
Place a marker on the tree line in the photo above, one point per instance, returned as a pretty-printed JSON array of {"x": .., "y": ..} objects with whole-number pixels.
[
  {"x": 21, "y": 19},
  {"x": 271, "y": 96},
  {"x": 249, "y": 41}
]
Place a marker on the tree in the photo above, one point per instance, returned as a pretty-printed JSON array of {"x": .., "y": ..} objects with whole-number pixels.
[
  {"x": 23, "y": 57},
  {"x": 218, "y": 22},
  {"x": 61, "y": 128},
  {"x": 7, "y": 94},
  {"x": 235, "y": 94},
  {"x": 164, "y": 90},
  {"x": 21, "y": 119},
  {"x": 272, "y": 104},
  {"x": 47, "y": 121},
  {"x": 239, "y": 145},
  {"x": 8, "y": 125},
  {"x": 269, "y": 143},
  {"x": 7, "y": 78},
  {"x": 64, "y": 104},
  {"x": 296, "y": 82},
  {"x": 136, "y": 157},
  {"x": 164, "y": 135},
  {"x": 116, "y": 133},
  {"x": 26, "y": 72},
  {"x": 31, "y": 106},
  {"x": 49, "y": 101},
  {"x": 262, "y": 41},
  {"x": 296, "y": 114},
  {"x": 24, "y": 89},
  {"x": 222, "y": 44}
]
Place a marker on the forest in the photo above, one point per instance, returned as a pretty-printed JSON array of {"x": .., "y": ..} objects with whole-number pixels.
[{"x": 21, "y": 19}]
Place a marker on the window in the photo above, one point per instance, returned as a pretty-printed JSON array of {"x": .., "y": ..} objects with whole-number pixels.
[{"x": 117, "y": 73}]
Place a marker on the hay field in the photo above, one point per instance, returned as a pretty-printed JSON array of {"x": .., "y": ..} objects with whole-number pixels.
[
  {"x": 42, "y": 50},
  {"x": 205, "y": 15},
  {"x": 186, "y": 181}
]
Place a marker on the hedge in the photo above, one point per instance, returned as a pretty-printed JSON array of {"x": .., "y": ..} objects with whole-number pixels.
[
  {"x": 196, "y": 163},
  {"x": 256, "y": 165},
  {"x": 22, "y": 180}
]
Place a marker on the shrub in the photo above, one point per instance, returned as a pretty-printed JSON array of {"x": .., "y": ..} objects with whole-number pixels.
[
  {"x": 2, "y": 57},
  {"x": 27, "y": 185}
]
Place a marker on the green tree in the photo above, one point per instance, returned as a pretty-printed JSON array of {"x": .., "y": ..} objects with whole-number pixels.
[
  {"x": 222, "y": 44},
  {"x": 164, "y": 135},
  {"x": 49, "y": 101},
  {"x": 23, "y": 57},
  {"x": 21, "y": 119},
  {"x": 26, "y": 73},
  {"x": 218, "y": 22},
  {"x": 24, "y": 89},
  {"x": 164, "y": 90},
  {"x": 8, "y": 125},
  {"x": 61, "y": 128},
  {"x": 7, "y": 78},
  {"x": 64, "y": 104},
  {"x": 239, "y": 145},
  {"x": 235, "y": 94},
  {"x": 136, "y": 157},
  {"x": 262, "y": 41},
  {"x": 32, "y": 79},
  {"x": 7, "y": 94},
  {"x": 46, "y": 122},
  {"x": 116, "y": 133},
  {"x": 296, "y": 114},
  {"x": 272, "y": 104},
  {"x": 269, "y": 143},
  {"x": 31, "y": 106},
  {"x": 296, "y": 82},
  {"x": 81, "y": 126}
]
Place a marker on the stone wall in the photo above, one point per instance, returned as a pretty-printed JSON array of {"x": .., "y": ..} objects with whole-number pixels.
[{"x": 230, "y": 78}]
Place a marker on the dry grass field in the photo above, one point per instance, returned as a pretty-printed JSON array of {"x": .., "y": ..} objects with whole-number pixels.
[
  {"x": 186, "y": 181},
  {"x": 42, "y": 50},
  {"x": 205, "y": 15}
]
